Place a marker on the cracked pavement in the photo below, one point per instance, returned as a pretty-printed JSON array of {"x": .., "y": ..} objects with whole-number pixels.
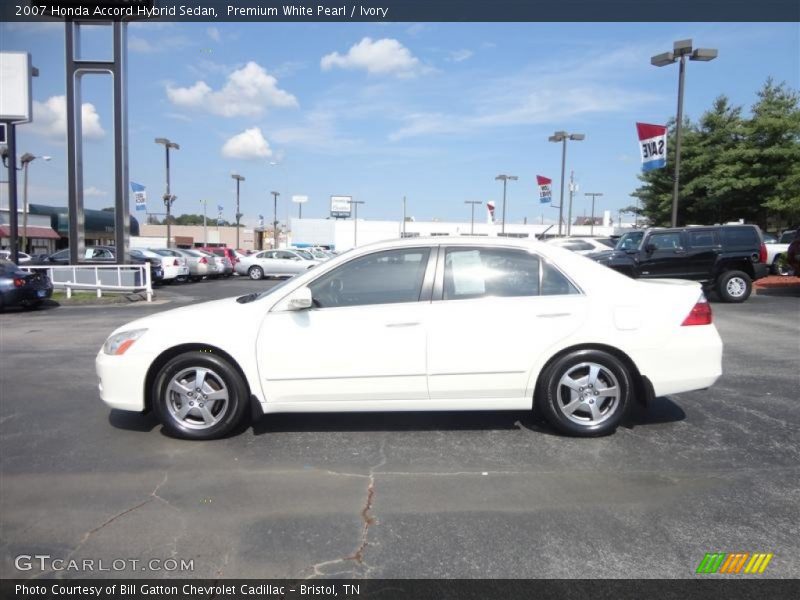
[{"x": 398, "y": 495}]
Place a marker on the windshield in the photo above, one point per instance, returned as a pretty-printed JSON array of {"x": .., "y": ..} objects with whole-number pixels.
[{"x": 630, "y": 241}]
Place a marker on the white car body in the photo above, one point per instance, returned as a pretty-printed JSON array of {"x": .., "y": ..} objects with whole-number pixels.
[
  {"x": 23, "y": 258},
  {"x": 580, "y": 245},
  {"x": 465, "y": 354},
  {"x": 174, "y": 267}
]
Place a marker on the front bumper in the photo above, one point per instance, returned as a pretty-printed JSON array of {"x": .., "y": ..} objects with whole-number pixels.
[{"x": 122, "y": 380}]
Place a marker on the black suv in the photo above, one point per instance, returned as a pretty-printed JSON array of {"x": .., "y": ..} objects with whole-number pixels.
[{"x": 725, "y": 258}]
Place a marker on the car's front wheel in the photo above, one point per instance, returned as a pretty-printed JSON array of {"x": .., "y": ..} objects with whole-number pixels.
[
  {"x": 734, "y": 286},
  {"x": 585, "y": 393},
  {"x": 199, "y": 396},
  {"x": 255, "y": 273}
]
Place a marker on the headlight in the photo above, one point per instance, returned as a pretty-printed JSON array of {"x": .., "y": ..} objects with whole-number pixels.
[{"x": 118, "y": 343}]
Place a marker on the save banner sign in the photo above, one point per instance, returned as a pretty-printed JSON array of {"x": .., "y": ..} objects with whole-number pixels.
[
  {"x": 545, "y": 195},
  {"x": 139, "y": 196},
  {"x": 653, "y": 145}
]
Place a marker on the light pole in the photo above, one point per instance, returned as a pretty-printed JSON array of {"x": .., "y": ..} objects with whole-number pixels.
[
  {"x": 355, "y": 222},
  {"x": 25, "y": 160},
  {"x": 680, "y": 50},
  {"x": 563, "y": 136},
  {"x": 505, "y": 179},
  {"x": 275, "y": 220},
  {"x": 238, "y": 179},
  {"x": 593, "y": 195},
  {"x": 205, "y": 227},
  {"x": 473, "y": 203},
  {"x": 572, "y": 189},
  {"x": 168, "y": 197}
]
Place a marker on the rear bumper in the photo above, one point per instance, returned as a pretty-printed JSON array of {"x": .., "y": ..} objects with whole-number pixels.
[
  {"x": 760, "y": 270},
  {"x": 691, "y": 360}
]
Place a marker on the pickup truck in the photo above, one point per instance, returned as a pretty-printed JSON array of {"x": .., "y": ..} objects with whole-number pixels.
[
  {"x": 725, "y": 258},
  {"x": 776, "y": 250}
]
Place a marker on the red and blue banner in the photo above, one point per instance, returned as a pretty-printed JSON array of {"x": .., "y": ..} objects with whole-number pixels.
[
  {"x": 545, "y": 187},
  {"x": 652, "y": 145}
]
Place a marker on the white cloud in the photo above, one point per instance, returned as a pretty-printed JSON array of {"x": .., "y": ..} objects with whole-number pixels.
[
  {"x": 247, "y": 92},
  {"x": 50, "y": 119},
  {"x": 460, "y": 55},
  {"x": 139, "y": 44},
  {"x": 214, "y": 34},
  {"x": 379, "y": 57},
  {"x": 248, "y": 145},
  {"x": 94, "y": 192}
]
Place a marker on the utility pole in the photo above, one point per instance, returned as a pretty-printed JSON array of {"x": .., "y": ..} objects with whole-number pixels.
[
  {"x": 205, "y": 229},
  {"x": 26, "y": 159},
  {"x": 404, "y": 217},
  {"x": 355, "y": 222},
  {"x": 238, "y": 179},
  {"x": 572, "y": 190},
  {"x": 472, "y": 204},
  {"x": 593, "y": 195},
  {"x": 505, "y": 179},
  {"x": 275, "y": 220},
  {"x": 168, "y": 197}
]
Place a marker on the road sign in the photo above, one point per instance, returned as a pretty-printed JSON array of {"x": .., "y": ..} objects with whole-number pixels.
[
  {"x": 15, "y": 87},
  {"x": 341, "y": 206}
]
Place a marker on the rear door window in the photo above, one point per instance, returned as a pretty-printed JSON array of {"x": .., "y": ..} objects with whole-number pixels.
[
  {"x": 703, "y": 239},
  {"x": 740, "y": 238}
]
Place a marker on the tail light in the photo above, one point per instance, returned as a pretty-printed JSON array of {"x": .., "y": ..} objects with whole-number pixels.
[
  {"x": 175, "y": 263},
  {"x": 762, "y": 253},
  {"x": 18, "y": 282},
  {"x": 203, "y": 261},
  {"x": 700, "y": 314}
]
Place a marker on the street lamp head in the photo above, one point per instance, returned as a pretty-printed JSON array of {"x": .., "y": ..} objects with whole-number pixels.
[
  {"x": 26, "y": 158},
  {"x": 46, "y": 158},
  {"x": 237, "y": 177},
  {"x": 682, "y": 47},
  {"x": 578, "y": 137},
  {"x": 512, "y": 178},
  {"x": 164, "y": 141},
  {"x": 704, "y": 54},
  {"x": 663, "y": 59}
]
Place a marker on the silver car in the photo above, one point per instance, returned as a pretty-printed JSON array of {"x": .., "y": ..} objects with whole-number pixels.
[
  {"x": 222, "y": 264},
  {"x": 198, "y": 264},
  {"x": 274, "y": 263}
]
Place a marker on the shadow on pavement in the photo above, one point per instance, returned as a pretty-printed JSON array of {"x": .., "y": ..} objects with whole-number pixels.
[{"x": 132, "y": 421}]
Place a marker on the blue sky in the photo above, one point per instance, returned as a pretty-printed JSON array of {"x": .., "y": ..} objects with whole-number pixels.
[{"x": 378, "y": 111}]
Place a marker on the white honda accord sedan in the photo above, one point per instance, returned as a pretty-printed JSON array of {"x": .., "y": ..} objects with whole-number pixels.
[{"x": 422, "y": 325}]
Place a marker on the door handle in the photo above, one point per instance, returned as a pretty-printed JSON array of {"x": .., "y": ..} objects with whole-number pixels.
[
  {"x": 402, "y": 324},
  {"x": 680, "y": 251},
  {"x": 553, "y": 315}
]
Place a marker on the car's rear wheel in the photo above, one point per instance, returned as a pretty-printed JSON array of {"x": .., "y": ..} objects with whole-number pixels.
[
  {"x": 255, "y": 273},
  {"x": 585, "y": 393},
  {"x": 199, "y": 396},
  {"x": 734, "y": 286},
  {"x": 779, "y": 267}
]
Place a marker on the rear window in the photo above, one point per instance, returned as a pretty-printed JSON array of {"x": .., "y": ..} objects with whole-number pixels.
[{"x": 740, "y": 237}]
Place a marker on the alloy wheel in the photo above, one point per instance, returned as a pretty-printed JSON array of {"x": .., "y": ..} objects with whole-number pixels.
[
  {"x": 588, "y": 393},
  {"x": 197, "y": 397}
]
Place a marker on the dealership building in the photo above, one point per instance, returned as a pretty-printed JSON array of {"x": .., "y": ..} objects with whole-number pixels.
[{"x": 343, "y": 234}]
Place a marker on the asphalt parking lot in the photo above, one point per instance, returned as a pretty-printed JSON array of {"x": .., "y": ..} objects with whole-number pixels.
[{"x": 439, "y": 495}]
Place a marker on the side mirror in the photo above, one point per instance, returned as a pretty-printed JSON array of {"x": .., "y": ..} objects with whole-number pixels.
[
  {"x": 300, "y": 299},
  {"x": 650, "y": 248}
]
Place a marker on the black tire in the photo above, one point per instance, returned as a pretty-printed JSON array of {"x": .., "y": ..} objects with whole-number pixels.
[
  {"x": 255, "y": 272},
  {"x": 223, "y": 415},
  {"x": 780, "y": 268},
  {"x": 593, "y": 414},
  {"x": 734, "y": 286}
]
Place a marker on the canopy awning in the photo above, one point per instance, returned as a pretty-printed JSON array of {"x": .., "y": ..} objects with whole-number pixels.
[{"x": 31, "y": 232}]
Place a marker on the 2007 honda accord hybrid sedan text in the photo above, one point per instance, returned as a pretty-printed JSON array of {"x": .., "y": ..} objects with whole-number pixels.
[{"x": 418, "y": 325}]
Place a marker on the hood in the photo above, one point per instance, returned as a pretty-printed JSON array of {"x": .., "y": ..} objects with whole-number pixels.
[{"x": 206, "y": 314}]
